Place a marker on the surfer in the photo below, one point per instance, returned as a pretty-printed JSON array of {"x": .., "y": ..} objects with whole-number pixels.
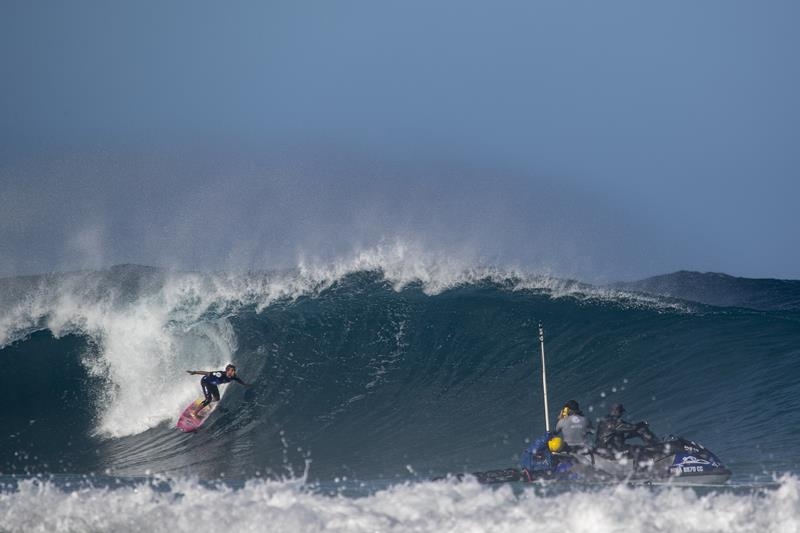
[
  {"x": 613, "y": 431},
  {"x": 211, "y": 379},
  {"x": 573, "y": 426}
]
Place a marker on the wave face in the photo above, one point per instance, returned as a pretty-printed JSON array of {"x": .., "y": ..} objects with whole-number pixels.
[{"x": 373, "y": 375}]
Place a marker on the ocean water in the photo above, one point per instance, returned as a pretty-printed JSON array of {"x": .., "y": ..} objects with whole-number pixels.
[{"x": 372, "y": 378}]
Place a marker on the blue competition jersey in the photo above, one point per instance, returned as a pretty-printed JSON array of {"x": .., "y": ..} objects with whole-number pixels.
[{"x": 219, "y": 377}]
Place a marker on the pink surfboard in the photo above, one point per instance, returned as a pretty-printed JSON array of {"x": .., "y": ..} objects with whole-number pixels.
[{"x": 190, "y": 420}]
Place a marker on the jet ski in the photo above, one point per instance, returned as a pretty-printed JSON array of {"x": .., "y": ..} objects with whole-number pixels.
[{"x": 673, "y": 460}]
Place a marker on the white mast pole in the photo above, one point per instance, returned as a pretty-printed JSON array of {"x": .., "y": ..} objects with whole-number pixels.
[{"x": 544, "y": 380}]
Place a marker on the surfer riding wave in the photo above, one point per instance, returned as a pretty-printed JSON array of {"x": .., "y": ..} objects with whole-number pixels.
[{"x": 210, "y": 381}]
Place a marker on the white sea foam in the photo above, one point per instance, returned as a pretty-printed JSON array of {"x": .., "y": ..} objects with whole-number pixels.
[
  {"x": 143, "y": 345},
  {"x": 186, "y": 505}
]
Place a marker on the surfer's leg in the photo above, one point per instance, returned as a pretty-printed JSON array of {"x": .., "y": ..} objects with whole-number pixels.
[
  {"x": 212, "y": 394},
  {"x": 209, "y": 391}
]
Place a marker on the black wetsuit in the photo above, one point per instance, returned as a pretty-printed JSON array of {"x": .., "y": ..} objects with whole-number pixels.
[
  {"x": 612, "y": 431},
  {"x": 209, "y": 384}
]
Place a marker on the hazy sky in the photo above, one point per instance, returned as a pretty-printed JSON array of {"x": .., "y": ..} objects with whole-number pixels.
[{"x": 602, "y": 140}]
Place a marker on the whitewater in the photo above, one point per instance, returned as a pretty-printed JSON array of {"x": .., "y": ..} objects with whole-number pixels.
[{"x": 374, "y": 376}]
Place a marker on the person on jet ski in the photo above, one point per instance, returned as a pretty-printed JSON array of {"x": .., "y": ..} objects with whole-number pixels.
[
  {"x": 573, "y": 426},
  {"x": 544, "y": 459},
  {"x": 613, "y": 431}
]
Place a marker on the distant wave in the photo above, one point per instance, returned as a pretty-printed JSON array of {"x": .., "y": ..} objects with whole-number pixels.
[{"x": 722, "y": 290}]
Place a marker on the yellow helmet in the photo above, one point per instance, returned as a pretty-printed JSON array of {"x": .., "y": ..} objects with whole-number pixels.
[{"x": 556, "y": 444}]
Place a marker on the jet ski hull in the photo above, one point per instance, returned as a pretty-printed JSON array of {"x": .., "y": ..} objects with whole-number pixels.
[{"x": 674, "y": 460}]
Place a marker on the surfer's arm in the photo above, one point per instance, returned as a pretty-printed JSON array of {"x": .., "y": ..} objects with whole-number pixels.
[
  {"x": 248, "y": 385},
  {"x": 193, "y": 372}
]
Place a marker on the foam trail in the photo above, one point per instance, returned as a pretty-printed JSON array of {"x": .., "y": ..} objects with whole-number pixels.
[{"x": 185, "y": 505}]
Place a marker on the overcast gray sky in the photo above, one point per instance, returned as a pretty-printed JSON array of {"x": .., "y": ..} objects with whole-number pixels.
[{"x": 599, "y": 140}]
